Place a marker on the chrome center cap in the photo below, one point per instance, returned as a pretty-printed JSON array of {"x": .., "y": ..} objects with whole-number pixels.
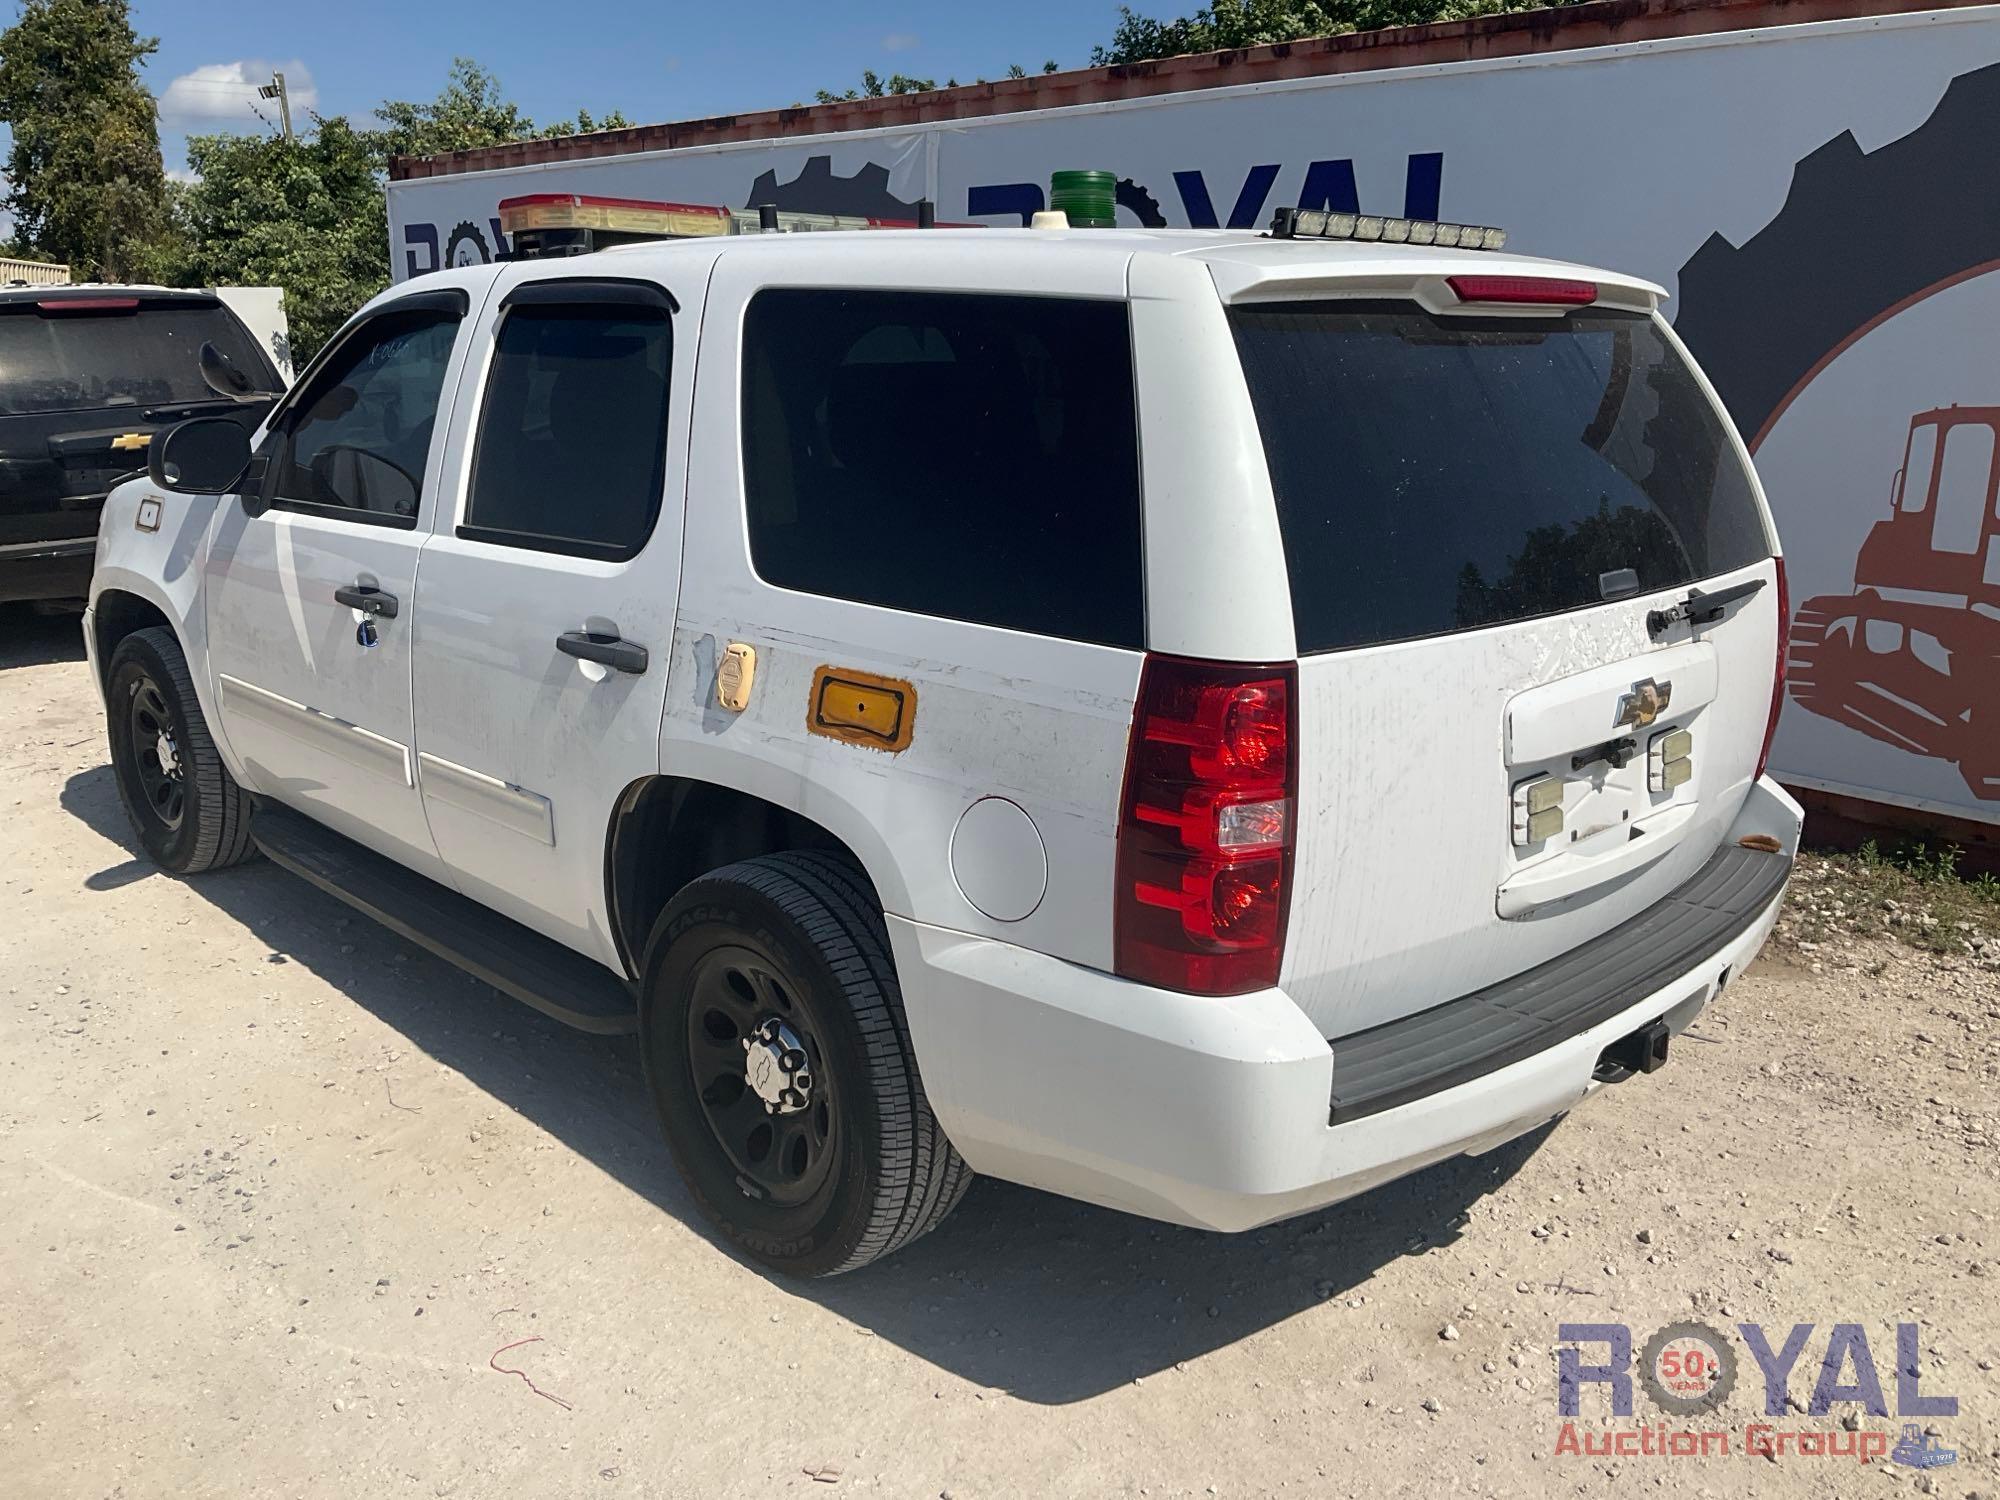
[
  {"x": 168, "y": 753},
  {"x": 774, "y": 1068}
]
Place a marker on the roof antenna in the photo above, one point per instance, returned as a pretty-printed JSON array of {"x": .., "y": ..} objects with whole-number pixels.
[{"x": 767, "y": 218}]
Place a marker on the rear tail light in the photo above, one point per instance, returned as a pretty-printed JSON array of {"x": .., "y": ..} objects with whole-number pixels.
[
  {"x": 1548, "y": 291},
  {"x": 1778, "y": 677},
  {"x": 1205, "y": 838}
]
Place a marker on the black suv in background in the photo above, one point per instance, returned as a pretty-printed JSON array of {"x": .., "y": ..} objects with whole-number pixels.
[{"x": 87, "y": 375}]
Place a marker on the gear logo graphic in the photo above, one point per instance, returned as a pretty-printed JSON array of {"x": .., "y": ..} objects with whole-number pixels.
[
  {"x": 816, "y": 190},
  {"x": 466, "y": 247},
  {"x": 1688, "y": 1368},
  {"x": 1139, "y": 201}
]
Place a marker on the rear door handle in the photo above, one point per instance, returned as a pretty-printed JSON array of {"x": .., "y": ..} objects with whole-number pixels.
[
  {"x": 368, "y": 599},
  {"x": 606, "y": 650}
]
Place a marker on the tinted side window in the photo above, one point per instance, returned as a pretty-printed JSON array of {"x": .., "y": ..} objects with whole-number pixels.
[
  {"x": 571, "y": 454},
  {"x": 358, "y": 439},
  {"x": 971, "y": 457}
]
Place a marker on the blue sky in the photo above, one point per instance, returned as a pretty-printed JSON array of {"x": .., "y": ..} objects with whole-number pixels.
[{"x": 654, "y": 62}]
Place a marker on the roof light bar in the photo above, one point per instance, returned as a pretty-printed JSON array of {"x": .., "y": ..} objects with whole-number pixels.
[
  {"x": 1334, "y": 224},
  {"x": 550, "y": 224},
  {"x": 620, "y": 215}
]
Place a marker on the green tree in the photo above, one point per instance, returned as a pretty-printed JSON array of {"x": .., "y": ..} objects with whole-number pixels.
[
  {"x": 306, "y": 215},
  {"x": 469, "y": 111},
  {"x": 584, "y": 124},
  {"x": 309, "y": 215},
  {"x": 875, "y": 86},
  {"x": 85, "y": 180},
  {"x": 1254, "y": 23}
]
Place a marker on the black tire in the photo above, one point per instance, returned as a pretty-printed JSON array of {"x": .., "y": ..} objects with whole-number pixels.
[
  {"x": 193, "y": 816},
  {"x": 856, "y": 1165}
]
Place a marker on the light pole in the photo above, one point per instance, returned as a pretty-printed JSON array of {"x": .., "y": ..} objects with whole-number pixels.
[{"x": 275, "y": 89}]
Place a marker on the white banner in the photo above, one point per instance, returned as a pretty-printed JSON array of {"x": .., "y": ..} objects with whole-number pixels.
[{"x": 1818, "y": 198}]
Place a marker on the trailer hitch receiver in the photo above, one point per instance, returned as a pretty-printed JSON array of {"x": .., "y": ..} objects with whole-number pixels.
[{"x": 1644, "y": 1051}]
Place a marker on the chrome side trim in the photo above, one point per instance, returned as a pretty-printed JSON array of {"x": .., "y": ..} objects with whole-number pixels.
[
  {"x": 514, "y": 808},
  {"x": 361, "y": 748}
]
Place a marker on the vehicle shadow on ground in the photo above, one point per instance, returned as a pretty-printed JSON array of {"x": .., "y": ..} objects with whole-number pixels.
[
  {"x": 31, "y": 637},
  {"x": 1050, "y": 1300}
]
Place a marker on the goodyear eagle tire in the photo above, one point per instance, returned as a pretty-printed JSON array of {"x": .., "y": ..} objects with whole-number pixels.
[
  {"x": 186, "y": 808},
  {"x": 778, "y": 1056}
]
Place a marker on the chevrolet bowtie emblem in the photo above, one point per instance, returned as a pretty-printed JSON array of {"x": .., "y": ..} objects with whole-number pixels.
[
  {"x": 1645, "y": 703},
  {"x": 125, "y": 442}
]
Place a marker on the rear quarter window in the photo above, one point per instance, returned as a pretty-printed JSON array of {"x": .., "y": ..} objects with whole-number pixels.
[
  {"x": 1436, "y": 474},
  {"x": 959, "y": 455}
]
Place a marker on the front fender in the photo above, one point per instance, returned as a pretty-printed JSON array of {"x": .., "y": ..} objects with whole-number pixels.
[{"x": 152, "y": 546}]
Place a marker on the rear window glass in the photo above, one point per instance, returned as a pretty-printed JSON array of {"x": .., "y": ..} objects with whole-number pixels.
[
  {"x": 1436, "y": 474},
  {"x": 53, "y": 361},
  {"x": 953, "y": 454}
]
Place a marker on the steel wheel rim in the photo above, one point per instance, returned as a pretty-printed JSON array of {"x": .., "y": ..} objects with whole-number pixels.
[
  {"x": 782, "y": 1159},
  {"x": 156, "y": 753}
]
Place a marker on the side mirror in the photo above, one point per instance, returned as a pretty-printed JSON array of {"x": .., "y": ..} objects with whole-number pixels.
[
  {"x": 226, "y": 378},
  {"x": 202, "y": 456}
]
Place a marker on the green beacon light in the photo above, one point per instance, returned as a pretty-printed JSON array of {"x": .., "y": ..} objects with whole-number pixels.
[{"x": 1089, "y": 199}]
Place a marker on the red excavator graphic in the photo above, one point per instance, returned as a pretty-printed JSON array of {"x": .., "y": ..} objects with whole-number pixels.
[{"x": 1912, "y": 656}]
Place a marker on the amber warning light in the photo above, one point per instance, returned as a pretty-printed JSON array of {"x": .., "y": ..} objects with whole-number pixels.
[{"x": 553, "y": 224}]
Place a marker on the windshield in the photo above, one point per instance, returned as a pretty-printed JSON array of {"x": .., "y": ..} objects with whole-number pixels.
[
  {"x": 52, "y": 361},
  {"x": 1436, "y": 474}
]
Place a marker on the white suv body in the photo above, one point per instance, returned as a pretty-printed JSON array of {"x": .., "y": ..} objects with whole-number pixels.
[{"x": 1436, "y": 982}]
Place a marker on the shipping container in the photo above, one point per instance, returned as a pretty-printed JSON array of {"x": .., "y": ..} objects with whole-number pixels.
[{"x": 1810, "y": 180}]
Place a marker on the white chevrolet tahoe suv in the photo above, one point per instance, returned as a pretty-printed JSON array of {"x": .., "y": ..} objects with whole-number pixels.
[{"x": 1203, "y": 723}]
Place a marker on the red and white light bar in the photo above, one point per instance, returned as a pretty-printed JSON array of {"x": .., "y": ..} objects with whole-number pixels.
[
  {"x": 1332, "y": 224},
  {"x": 643, "y": 218}
]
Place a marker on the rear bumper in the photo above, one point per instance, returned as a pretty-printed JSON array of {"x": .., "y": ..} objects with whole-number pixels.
[
  {"x": 47, "y": 570},
  {"x": 1217, "y": 1112}
]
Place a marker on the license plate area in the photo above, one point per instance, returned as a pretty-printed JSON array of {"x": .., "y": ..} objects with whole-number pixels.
[{"x": 1604, "y": 768}]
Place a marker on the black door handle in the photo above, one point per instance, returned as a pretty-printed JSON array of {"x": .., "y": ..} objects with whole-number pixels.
[
  {"x": 607, "y": 650},
  {"x": 368, "y": 599}
]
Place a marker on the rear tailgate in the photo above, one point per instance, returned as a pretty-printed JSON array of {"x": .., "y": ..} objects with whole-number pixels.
[{"x": 1483, "y": 513}]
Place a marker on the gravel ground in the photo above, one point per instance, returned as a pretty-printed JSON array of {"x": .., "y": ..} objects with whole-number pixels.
[{"x": 296, "y": 1210}]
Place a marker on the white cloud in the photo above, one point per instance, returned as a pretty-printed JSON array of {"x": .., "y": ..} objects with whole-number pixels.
[
  {"x": 901, "y": 41},
  {"x": 184, "y": 175},
  {"x": 226, "y": 93}
]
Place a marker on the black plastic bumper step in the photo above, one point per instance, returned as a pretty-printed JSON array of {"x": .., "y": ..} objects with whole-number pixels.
[
  {"x": 1484, "y": 1031},
  {"x": 538, "y": 971}
]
